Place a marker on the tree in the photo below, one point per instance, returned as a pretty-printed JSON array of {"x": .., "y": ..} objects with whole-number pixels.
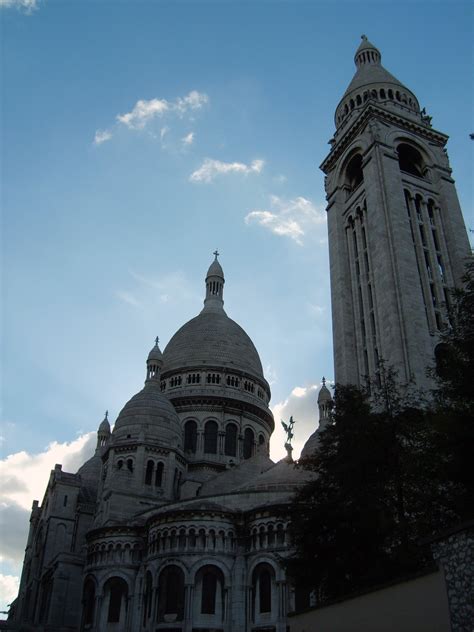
[{"x": 380, "y": 487}]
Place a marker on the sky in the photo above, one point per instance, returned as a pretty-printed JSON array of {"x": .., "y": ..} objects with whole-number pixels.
[{"x": 137, "y": 137}]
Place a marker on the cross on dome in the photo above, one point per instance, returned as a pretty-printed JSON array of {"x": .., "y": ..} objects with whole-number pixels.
[{"x": 216, "y": 253}]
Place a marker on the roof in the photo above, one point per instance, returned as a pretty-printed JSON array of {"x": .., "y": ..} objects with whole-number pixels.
[
  {"x": 151, "y": 412},
  {"x": 213, "y": 339}
]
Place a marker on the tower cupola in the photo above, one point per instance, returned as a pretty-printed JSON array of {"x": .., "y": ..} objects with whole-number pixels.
[
  {"x": 214, "y": 286},
  {"x": 367, "y": 53},
  {"x": 103, "y": 432},
  {"x": 324, "y": 404},
  {"x": 154, "y": 362}
]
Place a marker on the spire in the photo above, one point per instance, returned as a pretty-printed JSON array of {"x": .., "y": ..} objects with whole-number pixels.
[
  {"x": 214, "y": 286},
  {"x": 154, "y": 363}
]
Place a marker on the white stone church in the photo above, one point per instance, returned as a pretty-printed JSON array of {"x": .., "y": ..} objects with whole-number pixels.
[{"x": 178, "y": 522}]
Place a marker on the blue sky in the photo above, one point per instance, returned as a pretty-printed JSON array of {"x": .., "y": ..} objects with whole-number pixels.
[{"x": 139, "y": 136}]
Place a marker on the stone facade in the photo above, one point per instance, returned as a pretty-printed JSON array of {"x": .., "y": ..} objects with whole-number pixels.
[
  {"x": 397, "y": 239},
  {"x": 454, "y": 552}
]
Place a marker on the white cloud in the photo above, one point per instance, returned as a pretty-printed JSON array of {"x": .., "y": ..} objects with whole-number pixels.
[
  {"x": 188, "y": 139},
  {"x": 28, "y": 6},
  {"x": 193, "y": 101},
  {"x": 145, "y": 111},
  {"x": 289, "y": 218},
  {"x": 212, "y": 168},
  {"x": 302, "y": 405},
  {"x": 9, "y": 585},
  {"x": 102, "y": 136},
  {"x": 128, "y": 297},
  {"x": 23, "y": 476}
]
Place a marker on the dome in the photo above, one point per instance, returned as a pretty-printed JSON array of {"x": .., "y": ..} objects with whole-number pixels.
[
  {"x": 215, "y": 269},
  {"x": 104, "y": 427},
  {"x": 149, "y": 412},
  {"x": 212, "y": 339},
  {"x": 155, "y": 354},
  {"x": 90, "y": 471},
  {"x": 324, "y": 394}
]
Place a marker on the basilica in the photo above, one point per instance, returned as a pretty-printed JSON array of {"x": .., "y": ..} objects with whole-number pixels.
[{"x": 178, "y": 523}]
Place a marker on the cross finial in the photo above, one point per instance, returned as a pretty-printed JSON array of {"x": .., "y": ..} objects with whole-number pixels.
[
  {"x": 363, "y": 37},
  {"x": 157, "y": 340},
  {"x": 106, "y": 414},
  {"x": 324, "y": 381},
  {"x": 216, "y": 253}
]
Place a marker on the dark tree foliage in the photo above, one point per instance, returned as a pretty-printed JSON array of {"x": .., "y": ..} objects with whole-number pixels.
[
  {"x": 381, "y": 486},
  {"x": 454, "y": 397}
]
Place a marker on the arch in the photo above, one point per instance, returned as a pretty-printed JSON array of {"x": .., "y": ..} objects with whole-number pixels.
[
  {"x": 159, "y": 474},
  {"x": 263, "y": 584},
  {"x": 171, "y": 594},
  {"x": 147, "y": 597},
  {"x": 116, "y": 595},
  {"x": 190, "y": 436},
  {"x": 88, "y": 600},
  {"x": 210, "y": 437},
  {"x": 249, "y": 440},
  {"x": 210, "y": 593},
  {"x": 149, "y": 472},
  {"x": 230, "y": 442},
  {"x": 410, "y": 160},
  {"x": 354, "y": 174}
]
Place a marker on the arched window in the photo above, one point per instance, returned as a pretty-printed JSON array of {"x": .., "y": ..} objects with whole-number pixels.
[
  {"x": 262, "y": 579},
  {"x": 117, "y": 591},
  {"x": 171, "y": 594},
  {"x": 210, "y": 592},
  {"x": 159, "y": 474},
  {"x": 249, "y": 439},
  {"x": 147, "y": 597},
  {"x": 149, "y": 472},
  {"x": 410, "y": 160},
  {"x": 210, "y": 437},
  {"x": 354, "y": 173},
  {"x": 190, "y": 436},
  {"x": 230, "y": 443},
  {"x": 88, "y": 601}
]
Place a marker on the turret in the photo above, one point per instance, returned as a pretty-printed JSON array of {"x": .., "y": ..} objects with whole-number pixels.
[
  {"x": 103, "y": 433},
  {"x": 214, "y": 286},
  {"x": 154, "y": 363}
]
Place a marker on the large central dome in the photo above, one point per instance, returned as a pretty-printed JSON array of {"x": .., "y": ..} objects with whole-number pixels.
[
  {"x": 212, "y": 339},
  {"x": 215, "y": 340}
]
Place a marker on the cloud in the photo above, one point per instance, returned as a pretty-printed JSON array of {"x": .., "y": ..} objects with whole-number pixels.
[
  {"x": 23, "y": 476},
  {"x": 9, "y": 585},
  {"x": 212, "y": 168},
  {"x": 188, "y": 139},
  {"x": 289, "y": 218},
  {"x": 128, "y": 297},
  {"x": 145, "y": 111},
  {"x": 102, "y": 136},
  {"x": 302, "y": 404},
  {"x": 27, "y": 6}
]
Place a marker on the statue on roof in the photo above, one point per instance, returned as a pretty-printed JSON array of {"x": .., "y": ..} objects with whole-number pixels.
[{"x": 288, "y": 428}]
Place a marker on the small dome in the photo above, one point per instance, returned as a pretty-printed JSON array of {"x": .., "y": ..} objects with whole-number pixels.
[
  {"x": 215, "y": 269},
  {"x": 90, "y": 471},
  {"x": 155, "y": 354},
  {"x": 104, "y": 427},
  {"x": 149, "y": 412},
  {"x": 324, "y": 394}
]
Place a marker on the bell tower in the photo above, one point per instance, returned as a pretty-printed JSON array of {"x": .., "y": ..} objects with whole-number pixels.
[{"x": 397, "y": 240}]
